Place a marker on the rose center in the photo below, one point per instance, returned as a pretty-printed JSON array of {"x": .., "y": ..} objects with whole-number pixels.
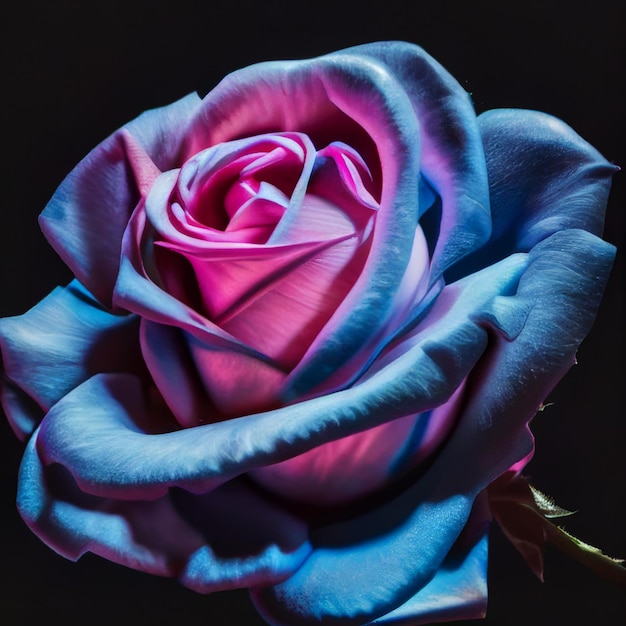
[{"x": 268, "y": 235}]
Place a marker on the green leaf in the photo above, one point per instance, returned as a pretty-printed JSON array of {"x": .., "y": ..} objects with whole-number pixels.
[
  {"x": 524, "y": 513},
  {"x": 547, "y": 506},
  {"x": 606, "y": 566}
]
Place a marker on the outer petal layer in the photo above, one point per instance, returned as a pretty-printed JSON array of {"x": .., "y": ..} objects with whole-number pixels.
[
  {"x": 543, "y": 178},
  {"x": 457, "y": 591},
  {"x": 179, "y": 534},
  {"x": 397, "y": 549},
  {"x": 86, "y": 217},
  {"x": 98, "y": 430},
  {"x": 57, "y": 345}
]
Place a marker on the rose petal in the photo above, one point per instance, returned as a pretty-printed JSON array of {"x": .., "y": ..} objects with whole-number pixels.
[
  {"x": 167, "y": 356},
  {"x": 255, "y": 218},
  {"x": 62, "y": 341},
  {"x": 219, "y": 357},
  {"x": 229, "y": 275},
  {"x": 555, "y": 180},
  {"x": 365, "y": 567},
  {"x": 452, "y": 158},
  {"x": 143, "y": 294},
  {"x": 225, "y": 353},
  {"x": 91, "y": 430},
  {"x": 284, "y": 160},
  {"x": 341, "y": 204},
  {"x": 72, "y": 523},
  {"x": 240, "y": 277},
  {"x": 324, "y": 98},
  {"x": 297, "y": 298},
  {"x": 340, "y": 471},
  {"x": 87, "y": 215},
  {"x": 22, "y": 412},
  {"x": 458, "y": 591},
  {"x": 176, "y": 535},
  {"x": 353, "y": 173},
  {"x": 251, "y": 550},
  {"x": 414, "y": 301},
  {"x": 543, "y": 177},
  {"x": 237, "y": 383}
]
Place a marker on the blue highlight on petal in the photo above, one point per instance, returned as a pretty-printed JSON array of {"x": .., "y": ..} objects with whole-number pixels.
[
  {"x": 457, "y": 591},
  {"x": 61, "y": 342}
]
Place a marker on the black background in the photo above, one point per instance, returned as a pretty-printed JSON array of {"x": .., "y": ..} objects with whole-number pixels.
[{"x": 74, "y": 71}]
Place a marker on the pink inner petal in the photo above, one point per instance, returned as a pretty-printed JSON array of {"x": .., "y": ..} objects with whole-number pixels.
[
  {"x": 353, "y": 170},
  {"x": 343, "y": 470},
  {"x": 340, "y": 471},
  {"x": 273, "y": 244},
  {"x": 207, "y": 179},
  {"x": 231, "y": 278},
  {"x": 144, "y": 169},
  {"x": 290, "y": 286},
  {"x": 325, "y": 212},
  {"x": 260, "y": 212},
  {"x": 411, "y": 291},
  {"x": 285, "y": 319},
  {"x": 237, "y": 383}
]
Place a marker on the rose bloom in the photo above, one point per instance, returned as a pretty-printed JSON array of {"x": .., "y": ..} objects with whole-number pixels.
[{"x": 313, "y": 314}]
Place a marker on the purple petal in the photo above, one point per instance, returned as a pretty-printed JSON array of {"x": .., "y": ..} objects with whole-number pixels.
[
  {"x": 87, "y": 215},
  {"x": 452, "y": 158}
]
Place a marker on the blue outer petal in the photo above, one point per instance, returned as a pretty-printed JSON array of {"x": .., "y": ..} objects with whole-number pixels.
[
  {"x": 366, "y": 567},
  {"x": 58, "y": 344},
  {"x": 86, "y": 217},
  {"x": 182, "y": 535},
  {"x": 459, "y": 588},
  {"x": 22, "y": 412},
  {"x": 543, "y": 178},
  {"x": 457, "y": 591}
]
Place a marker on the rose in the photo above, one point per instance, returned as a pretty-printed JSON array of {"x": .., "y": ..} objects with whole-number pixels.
[{"x": 313, "y": 314}]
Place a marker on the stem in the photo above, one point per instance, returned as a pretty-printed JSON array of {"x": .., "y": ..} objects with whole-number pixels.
[{"x": 599, "y": 563}]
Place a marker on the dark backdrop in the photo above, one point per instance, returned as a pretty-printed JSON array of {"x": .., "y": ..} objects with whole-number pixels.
[{"x": 74, "y": 71}]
